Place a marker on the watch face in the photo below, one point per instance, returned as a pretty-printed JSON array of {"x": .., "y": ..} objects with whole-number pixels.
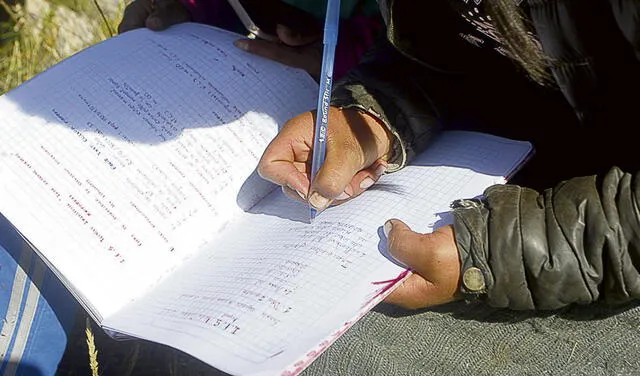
[{"x": 473, "y": 280}]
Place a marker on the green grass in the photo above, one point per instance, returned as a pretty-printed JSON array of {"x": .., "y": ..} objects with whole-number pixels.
[{"x": 30, "y": 44}]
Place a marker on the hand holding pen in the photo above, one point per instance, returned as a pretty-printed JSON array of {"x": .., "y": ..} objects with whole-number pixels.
[{"x": 355, "y": 147}]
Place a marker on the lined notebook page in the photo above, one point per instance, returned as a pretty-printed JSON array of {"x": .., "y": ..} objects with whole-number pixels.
[
  {"x": 275, "y": 291},
  {"x": 128, "y": 157}
]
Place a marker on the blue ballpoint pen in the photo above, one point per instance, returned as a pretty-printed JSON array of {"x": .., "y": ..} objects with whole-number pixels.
[{"x": 330, "y": 39}]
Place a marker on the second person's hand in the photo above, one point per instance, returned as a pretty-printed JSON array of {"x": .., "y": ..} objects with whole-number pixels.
[
  {"x": 153, "y": 14},
  {"x": 435, "y": 263},
  {"x": 357, "y": 148},
  {"x": 292, "y": 49}
]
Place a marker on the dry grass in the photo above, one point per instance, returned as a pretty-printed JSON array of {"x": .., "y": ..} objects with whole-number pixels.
[
  {"x": 93, "y": 352},
  {"x": 32, "y": 40},
  {"x": 24, "y": 53},
  {"x": 124, "y": 358}
]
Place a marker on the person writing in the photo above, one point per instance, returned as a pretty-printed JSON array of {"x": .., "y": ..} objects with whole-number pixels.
[{"x": 564, "y": 75}]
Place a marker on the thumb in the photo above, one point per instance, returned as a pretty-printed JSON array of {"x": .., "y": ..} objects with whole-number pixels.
[
  {"x": 434, "y": 260},
  {"x": 403, "y": 244},
  {"x": 166, "y": 13},
  {"x": 429, "y": 255}
]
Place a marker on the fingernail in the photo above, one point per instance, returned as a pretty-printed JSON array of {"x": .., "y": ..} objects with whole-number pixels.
[
  {"x": 387, "y": 228},
  {"x": 380, "y": 170},
  {"x": 318, "y": 201},
  {"x": 241, "y": 44},
  {"x": 343, "y": 196},
  {"x": 297, "y": 191},
  {"x": 366, "y": 183}
]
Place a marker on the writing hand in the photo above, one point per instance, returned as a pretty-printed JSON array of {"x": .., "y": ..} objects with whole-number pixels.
[
  {"x": 153, "y": 14},
  {"x": 357, "y": 145},
  {"x": 435, "y": 263},
  {"x": 293, "y": 49}
]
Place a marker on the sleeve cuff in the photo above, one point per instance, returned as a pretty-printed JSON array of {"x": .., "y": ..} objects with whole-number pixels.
[{"x": 476, "y": 277}]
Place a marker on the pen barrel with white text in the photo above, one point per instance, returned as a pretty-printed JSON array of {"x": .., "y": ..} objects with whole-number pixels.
[
  {"x": 322, "y": 117},
  {"x": 330, "y": 40}
]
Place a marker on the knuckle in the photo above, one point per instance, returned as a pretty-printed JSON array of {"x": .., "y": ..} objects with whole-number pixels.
[
  {"x": 263, "y": 170},
  {"x": 424, "y": 241},
  {"x": 348, "y": 147},
  {"x": 399, "y": 243}
]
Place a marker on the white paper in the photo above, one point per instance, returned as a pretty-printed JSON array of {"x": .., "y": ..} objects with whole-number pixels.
[
  {"x": 262, "y": 298},
  {"x": 126, "y": 159}
]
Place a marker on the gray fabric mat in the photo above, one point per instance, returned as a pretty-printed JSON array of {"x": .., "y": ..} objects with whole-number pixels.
[
  {"x": 450, "y": 340},
  {"x": 460, "y": 339}
]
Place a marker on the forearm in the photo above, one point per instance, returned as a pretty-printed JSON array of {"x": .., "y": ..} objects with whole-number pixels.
[{"x": 576, "y": 243}]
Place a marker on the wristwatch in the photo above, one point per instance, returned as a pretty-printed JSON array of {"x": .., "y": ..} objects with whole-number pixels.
[{"x": 473, "y": 287}]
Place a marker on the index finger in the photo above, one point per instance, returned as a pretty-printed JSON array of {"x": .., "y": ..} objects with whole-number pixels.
[
  {"x": 306, "y": 58},
  {"x": 284, "y": 161},
  {"x": 413, "y": 293}
]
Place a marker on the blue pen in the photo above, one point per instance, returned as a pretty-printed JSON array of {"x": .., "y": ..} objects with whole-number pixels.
[{"x": 330, "y": 39}]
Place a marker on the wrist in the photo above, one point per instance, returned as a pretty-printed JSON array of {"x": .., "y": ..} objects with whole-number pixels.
[
  {"x": 380, "y": 139},
  {"x": 382, "y": 135}
]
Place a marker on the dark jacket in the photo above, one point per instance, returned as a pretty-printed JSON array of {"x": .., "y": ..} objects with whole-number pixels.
[{"x": 577, "y": 242}]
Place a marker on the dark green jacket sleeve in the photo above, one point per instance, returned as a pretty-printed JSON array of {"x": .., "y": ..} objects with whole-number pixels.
[{"x": 576, "y": 243}]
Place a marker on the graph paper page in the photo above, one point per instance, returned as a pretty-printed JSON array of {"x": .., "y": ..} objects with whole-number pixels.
[
  {"x": 275, "y": 291},
  {"x": 127, "y": 158}
]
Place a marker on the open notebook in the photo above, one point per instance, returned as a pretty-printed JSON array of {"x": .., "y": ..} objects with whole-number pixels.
[{"x": 130, "y": 169}]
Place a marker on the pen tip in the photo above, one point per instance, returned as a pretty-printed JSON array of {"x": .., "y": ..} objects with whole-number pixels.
[{"x": 312, "y": 214}]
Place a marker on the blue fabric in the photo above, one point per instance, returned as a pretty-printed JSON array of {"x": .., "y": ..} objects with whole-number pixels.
[{"x": 38, "y": 312}]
